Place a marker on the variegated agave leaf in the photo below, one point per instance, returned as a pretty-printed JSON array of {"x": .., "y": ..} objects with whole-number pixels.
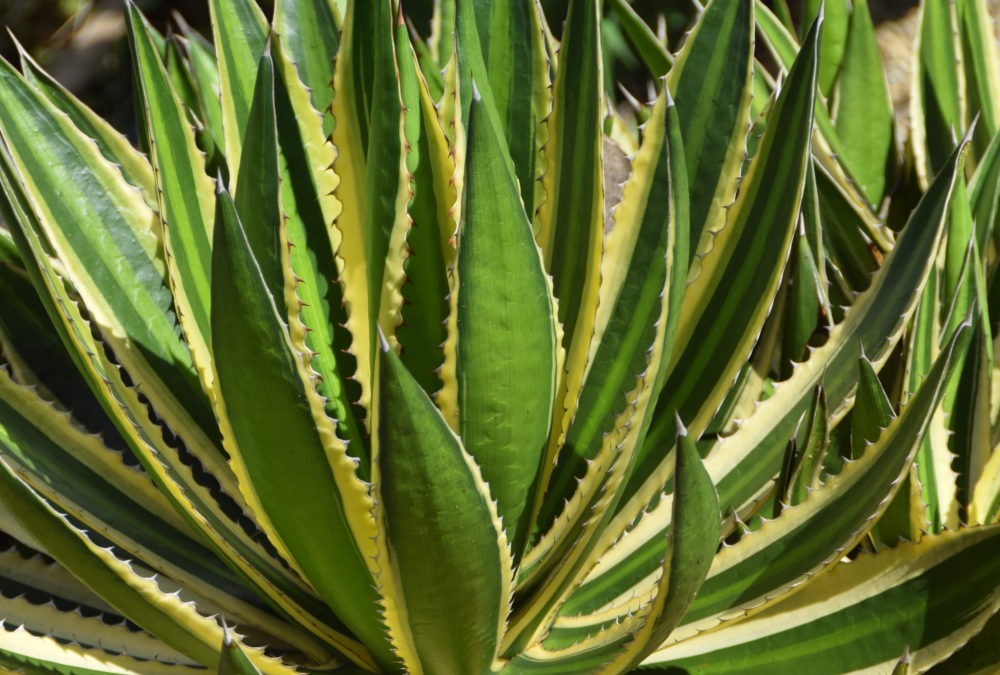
[{"x": 389, "y": 354}]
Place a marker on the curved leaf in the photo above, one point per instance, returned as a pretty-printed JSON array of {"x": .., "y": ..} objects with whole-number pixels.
[{"x": 456, "y": 594}]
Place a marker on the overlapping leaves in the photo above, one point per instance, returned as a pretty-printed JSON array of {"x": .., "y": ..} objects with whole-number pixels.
[{"x": 401, "y": 355}]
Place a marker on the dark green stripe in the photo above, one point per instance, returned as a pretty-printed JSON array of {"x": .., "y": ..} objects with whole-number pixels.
[
  {"x": 425, "y": 307},
  {"x": 714, "y": 79},
  {"x": 452, "y": 591},
  {"x": 914, "y": 614},
  {"x": 577, "y": 108},
  {"x": 764, "y": 227},
  {"x": 177, "y": 179},
  {"x": 509, "y": 39},
  {"x": 268, "y": 408},
  {"x": 310, "y": 32},
  {"x": 102, "y": 238},
  {"x": 240, "y": 38},
  {"x": 839, "y": 520},
  {"x": 312, "y": 260},
  {"x": 621, "y": 355},
  {"x": 505, "y": 359},
  {"x": 76, "y": 484}
]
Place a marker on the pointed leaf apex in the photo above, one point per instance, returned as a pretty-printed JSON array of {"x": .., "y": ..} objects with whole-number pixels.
[
  {"x": 383, "y": 341},
  {"x": 17, "y": 43},
  {"x": 666, "y": 93},
  {"x": 681, "y": 429},
  {"x": 970, "y": 132}
]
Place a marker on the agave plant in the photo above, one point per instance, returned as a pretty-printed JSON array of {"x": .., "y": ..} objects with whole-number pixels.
[{"x": 365, "y": 359}]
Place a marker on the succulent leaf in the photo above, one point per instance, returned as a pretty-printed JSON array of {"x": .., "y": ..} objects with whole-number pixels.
[{"x": 404, "y": 391}]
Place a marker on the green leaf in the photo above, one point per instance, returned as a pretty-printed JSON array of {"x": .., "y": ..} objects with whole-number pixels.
[
  {"x": 957, "y": 287},
  {"x": 178, "y": 625},
  {"x": 205, "y": 73},
  {"x": 8, "y": 249},
  {"x": 91, "y": 482},
  {"x": 737, "y": 281},
  {"x": 184, "y": 191},
  {"x": 455, "y": 594},
  {"x": 872, "y": 410},
  {"x": 114, "y": 146},
  {"x": 982, "y": 60},
  {"x": 871, "y": 414},
  {"x": 862, "y": 614},
  {"x": 100, "y": 630},
  {"x": 431, "y": 173},
  {"x": 240, "y": 34},
  {"x": 512, "y": 44},
  {"x": 847, "y": 247},
  {"x": 862, "y": 109},
  {"x": 984, "y": 195},
  {"x": 645, "y": 262},
  {"x": 619, "y": 644},
  {"x": 307, "y": 208},
  {"x": 743, "y": 464},
  {"x": 183, "y": 84},
  {"x": 802, "y": 304},
  {"x": 711, "y": 83},
  {"x": 372, "y": 190},
  {"x": 828, "y": 146},
  {"x": 23, "y": 562},
  {"x": 967, "y": 406},
  {"x": 563, "y": 556},
  {"x": 310, "y": 31},
  {"x": 832, "y": 41},
  {"x": 442, "y": 41},
  {"x": 104, "y": 234},
  {"x": 257, "y": 187},
  {"x": 172, "y": 474},
  {"x": 816, "y": 438},
  {"x": 268, "y": 401},
  {"x": 812, "y": 222},
  {"x": 791, "y": 549},
  {"x": 784, "y": 13},
  {"x": 978, "y": 655},
  {"x": 876, "y": 314},
  {"x": 971, "y": 413},
  {"x": 33, "y": 654},
  {"x": 506, "y": 337},
  {"x": 656, "y": 57},
  {"x": 938, "y": 114},
  {"x": 570, "y": 222},
  {"x": 32, "y": 347},
  {"x": 941, "y": 477},
  {"x": 694, "y": 539},
  {"x": 694, "y": 534}
]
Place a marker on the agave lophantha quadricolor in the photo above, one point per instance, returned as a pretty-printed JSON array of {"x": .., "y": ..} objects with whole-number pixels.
[{"x": 375, "y": 367}]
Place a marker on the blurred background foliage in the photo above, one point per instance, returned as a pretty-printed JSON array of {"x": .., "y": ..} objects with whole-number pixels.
[{"x": 82, "y": 42}]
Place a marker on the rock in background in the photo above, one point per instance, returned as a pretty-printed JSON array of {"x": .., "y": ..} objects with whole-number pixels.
[{"x": 896, "y": 27}]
